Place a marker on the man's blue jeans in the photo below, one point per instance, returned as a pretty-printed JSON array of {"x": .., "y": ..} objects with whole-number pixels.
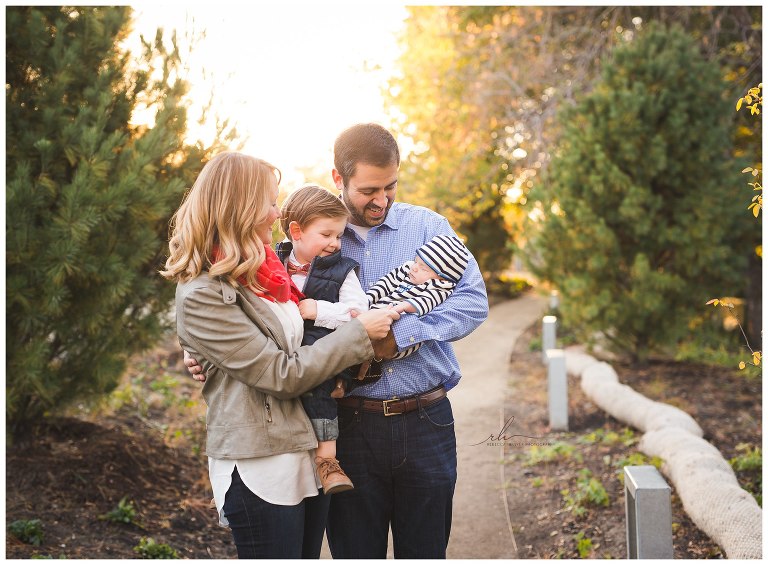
[
  {"x": 262, "y": 530},
  {"x": 404, "y": 470}
]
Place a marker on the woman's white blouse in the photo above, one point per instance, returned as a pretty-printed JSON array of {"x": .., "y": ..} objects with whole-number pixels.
[{"x": 284, "y": 479}]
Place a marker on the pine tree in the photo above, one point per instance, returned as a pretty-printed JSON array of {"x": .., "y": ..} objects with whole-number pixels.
[
  {"x": 635, "y": 221},
  {"x": 89, "y": 196}
]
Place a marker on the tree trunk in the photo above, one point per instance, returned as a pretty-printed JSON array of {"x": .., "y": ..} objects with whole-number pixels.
[{"x": 641, "y": 353}]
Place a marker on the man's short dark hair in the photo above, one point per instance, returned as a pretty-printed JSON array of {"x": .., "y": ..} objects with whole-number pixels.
[{"x": 371, "y": 144}]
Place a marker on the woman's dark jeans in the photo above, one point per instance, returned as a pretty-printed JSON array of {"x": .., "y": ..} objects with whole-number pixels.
[{"x": 262, "y": 530}]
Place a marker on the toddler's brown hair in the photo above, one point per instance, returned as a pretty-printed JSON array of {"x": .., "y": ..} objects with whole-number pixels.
[{"x": 308, "y": 203}]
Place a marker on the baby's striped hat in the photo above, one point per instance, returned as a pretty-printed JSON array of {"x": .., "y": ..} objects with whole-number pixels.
[{"x": 446, "y": 255}]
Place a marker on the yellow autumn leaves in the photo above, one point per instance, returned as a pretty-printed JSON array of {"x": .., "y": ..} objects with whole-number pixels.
[
  {"x": 753, "y": 97},
  {"x": 754, "y": 100},
  {"x": 756, "y": 355},
  {"x": 757, "y": 200}
]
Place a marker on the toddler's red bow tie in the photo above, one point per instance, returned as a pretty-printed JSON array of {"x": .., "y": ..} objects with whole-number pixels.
[{"x": 292, "y": 268}]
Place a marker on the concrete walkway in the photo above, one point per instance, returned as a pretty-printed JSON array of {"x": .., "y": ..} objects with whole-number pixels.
[{"x": 481, "y": 528}]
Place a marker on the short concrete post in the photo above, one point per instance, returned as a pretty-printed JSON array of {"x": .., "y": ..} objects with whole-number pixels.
[
  {"x": 648, "y": 513},
  {"x": 548, "y": 332},
  {"x": 557, "y": 390},
  {"x": 554, "y": 300}
]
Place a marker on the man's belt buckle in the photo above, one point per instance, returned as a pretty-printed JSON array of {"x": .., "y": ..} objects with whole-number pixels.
[{"x": 385, "y": 403}]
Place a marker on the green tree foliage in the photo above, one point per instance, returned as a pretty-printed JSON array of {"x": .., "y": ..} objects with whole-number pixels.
[
  {"x": 89, "y": 195},
  {"x": 635, "y": 222},
  {"x": 480, "y": 88}
]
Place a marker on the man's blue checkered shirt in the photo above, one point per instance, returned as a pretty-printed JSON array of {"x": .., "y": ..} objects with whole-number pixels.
[{"x": 394, "y": 242}]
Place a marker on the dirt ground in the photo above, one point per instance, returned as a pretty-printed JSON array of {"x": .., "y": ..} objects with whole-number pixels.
[
  {"x": 725, "y": 403},
  {"x": 145, "y": 446}
]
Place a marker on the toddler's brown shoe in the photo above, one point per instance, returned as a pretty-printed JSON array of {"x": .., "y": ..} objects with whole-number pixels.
[{"x": 334, "y": 480}]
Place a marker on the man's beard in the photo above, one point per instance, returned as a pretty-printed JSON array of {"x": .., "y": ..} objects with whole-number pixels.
[{"x": 359, "y": 218}]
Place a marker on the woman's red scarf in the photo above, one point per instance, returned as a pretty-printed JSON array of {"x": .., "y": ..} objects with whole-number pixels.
[{"x": 271, "y": 276}]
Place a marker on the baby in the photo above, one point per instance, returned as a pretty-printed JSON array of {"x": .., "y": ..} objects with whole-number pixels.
[{"x": 420, "y": 285}]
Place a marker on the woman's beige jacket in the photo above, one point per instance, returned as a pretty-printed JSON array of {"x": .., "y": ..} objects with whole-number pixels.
[{"x": 252, "y": 384}]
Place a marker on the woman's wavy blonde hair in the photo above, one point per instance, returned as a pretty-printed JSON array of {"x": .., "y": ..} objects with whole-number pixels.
[{"x": 230, "y": 199}]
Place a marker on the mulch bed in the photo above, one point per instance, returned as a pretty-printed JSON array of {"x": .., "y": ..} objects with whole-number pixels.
[
  {"x": 74, "y": 470},
  {"x": 726, "y": 404}
]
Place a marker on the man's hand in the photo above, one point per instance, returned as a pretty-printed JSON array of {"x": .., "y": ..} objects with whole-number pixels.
[
  {"x": 308, "y": 309},
  {"x": 385, "y": 348},
  {"x": 193, "y": 367}
]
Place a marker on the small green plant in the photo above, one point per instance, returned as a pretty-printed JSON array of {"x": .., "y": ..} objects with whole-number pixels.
[
  {"x": 750, "y": 466},
  {"x": 149, "y": 549},
  {"x": 626, "y": 437},
  {"x": 751, "y": 460},
  {"x": 589, "y": 491},
  {"x": 534, "y": 344},
  {"x": 634, "y": 459},
  {"x": 554, "y": 452},
  {"x": 48, "y": 556},
  {"x": 594, "y": 436},
  {"x": 131, "y": 395},
  {"x": 166, "y": 385},
  {"x": 149, "y": 376},
  {"x": 28, "y": 531},
  {"x": 583, "y": 544},
  {"x": 537, "y": 482},
  {"x": 123, "y": 513},
  {"x": 572, "y": 504}
]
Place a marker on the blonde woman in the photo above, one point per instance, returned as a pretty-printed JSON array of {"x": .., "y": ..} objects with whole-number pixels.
[{"x": 237, "y": 314}]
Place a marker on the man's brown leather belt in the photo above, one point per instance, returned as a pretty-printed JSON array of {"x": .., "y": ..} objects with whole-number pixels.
[{"x": 394, "y": 406}]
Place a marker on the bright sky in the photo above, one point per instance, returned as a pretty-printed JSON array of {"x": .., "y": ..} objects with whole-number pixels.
[{"x": 290, "y": 76}]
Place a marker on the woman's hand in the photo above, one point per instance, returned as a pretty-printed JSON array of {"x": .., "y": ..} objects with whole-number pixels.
[
  {"x": 378, "y": 322},
  {"x": 193, "y": 367}
]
